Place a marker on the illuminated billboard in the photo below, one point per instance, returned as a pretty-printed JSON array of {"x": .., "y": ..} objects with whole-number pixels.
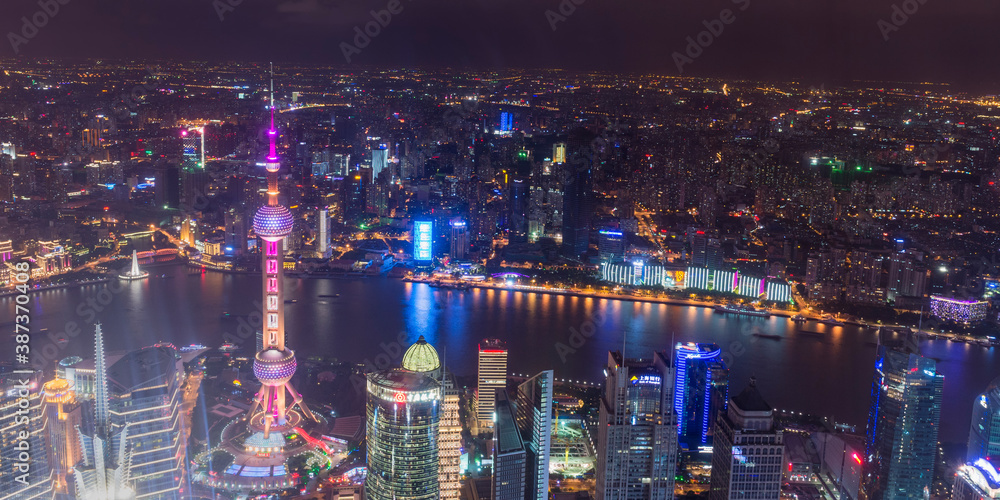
[{"x": 423, "y": 232}]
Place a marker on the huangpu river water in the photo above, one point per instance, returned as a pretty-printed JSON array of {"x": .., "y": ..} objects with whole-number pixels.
[{"x": 812, "y": 368}]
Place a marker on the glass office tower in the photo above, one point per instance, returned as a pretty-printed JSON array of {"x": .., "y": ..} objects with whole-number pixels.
[
  {"x": 701, "y": 382},
  {"x": 903, "y": 422},
  {"x": 402, "y": 423}
]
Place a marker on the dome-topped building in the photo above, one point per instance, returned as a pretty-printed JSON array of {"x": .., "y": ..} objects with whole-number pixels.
[{"x": 421, "y": 357}]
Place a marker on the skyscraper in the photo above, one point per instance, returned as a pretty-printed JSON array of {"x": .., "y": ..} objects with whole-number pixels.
[
  {"x": 423, "y": 241},
  {"x": 701, "y": 382},
  {"x": 26, "y": 473},
  {"x": 380, "y": 161},
  {"x": 103, "y": 469},
  {"x": 903, "y": 421},
  {"x": 274, "y": 365},
  {"x": 404, "y": 409},
  {"x": 577, "y": 209},
  {"x": 559, "y": 153},
  {"x": 459, "y": 240},
  {"x": 145, "y": 407},
  {"x": 748, "y": 452},
  {"x": 189, "y": 231},
  {"x": 517, "y": 223},
  {"x": 611, "y": 245},
  {"x": 533, "y": 410},
  {"x": 236, "y": 232},
  {"x": 637, "y": 431},
  {"x": 62, "y": 415},
  {"x": 984, "y": 433},
  {"x": 492, "y": 377},
  {"x": 421, "y": 357},
  {"x": 509, "y": 457},
  {"x": 323, "y": 238}
]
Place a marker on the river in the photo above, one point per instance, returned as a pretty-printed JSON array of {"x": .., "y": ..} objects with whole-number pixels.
[{"x": 827, "y": 372}]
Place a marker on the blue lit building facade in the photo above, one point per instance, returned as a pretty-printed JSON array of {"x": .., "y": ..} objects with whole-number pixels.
[
  {"x": 701, "y": 382},
  {"x": 506, "y": 122},
  {"x": 731, "y": 281},
  {"x": 637, "y": 272},
  {"x": 984, "y": 432},
  {"x": 903, "y": 421},
  {"x": 423, "y": 237}
]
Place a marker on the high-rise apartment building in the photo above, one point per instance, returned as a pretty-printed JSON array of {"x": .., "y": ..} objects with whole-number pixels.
[
  {"x": 492, "y": 377},
  {"x": 323, "y": 238},
  {"x": 637, "y": 431}
]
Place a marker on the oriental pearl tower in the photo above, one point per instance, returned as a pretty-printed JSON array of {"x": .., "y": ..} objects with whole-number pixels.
[{"x": 275, "y": 364}]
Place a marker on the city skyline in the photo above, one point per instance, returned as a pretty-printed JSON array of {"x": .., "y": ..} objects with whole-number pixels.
[{"x": 550, "y": 251}]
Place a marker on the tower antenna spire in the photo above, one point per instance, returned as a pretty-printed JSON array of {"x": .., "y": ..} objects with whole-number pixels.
[{"x": 272, "y": 96}]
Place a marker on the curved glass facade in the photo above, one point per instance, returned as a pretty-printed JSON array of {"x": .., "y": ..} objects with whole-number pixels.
[
  {"x": 402, "y": 423},
  {"x": 984, "y": 432}
]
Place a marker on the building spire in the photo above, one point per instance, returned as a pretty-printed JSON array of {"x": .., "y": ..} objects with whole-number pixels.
[
  {"x": 100, "y": 381},
  {"x": 272, "y": 133}
]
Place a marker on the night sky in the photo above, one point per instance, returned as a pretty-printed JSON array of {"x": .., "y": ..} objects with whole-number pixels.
[{"x": 816, "y": 41}]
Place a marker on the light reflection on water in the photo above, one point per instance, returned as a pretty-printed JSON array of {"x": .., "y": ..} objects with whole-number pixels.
[{"x": 827, "y": 373}]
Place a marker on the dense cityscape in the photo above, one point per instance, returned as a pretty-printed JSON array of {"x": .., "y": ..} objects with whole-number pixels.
[{"x": 863, "y": 213}]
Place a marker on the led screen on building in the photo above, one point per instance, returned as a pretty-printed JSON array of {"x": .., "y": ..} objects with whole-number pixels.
[{"x": 423, "y": 232}]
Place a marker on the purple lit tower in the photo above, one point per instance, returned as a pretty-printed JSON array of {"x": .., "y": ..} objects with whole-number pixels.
[{"x": 274, "y": 365}]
